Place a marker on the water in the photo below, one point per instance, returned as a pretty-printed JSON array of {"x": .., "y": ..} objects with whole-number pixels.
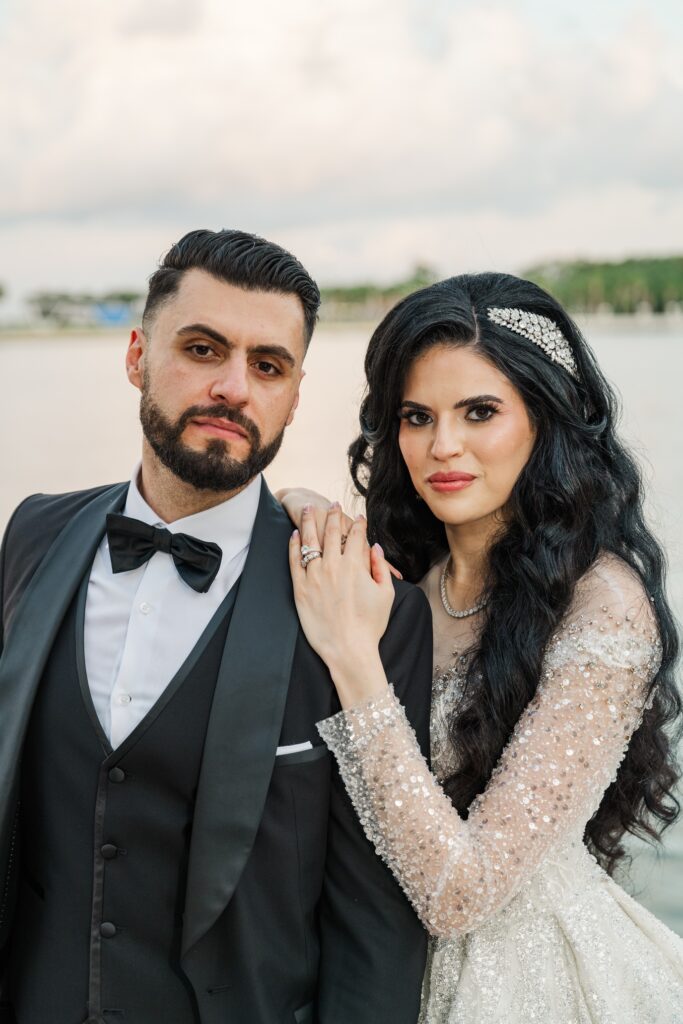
[{"x": 68, "y": 419}]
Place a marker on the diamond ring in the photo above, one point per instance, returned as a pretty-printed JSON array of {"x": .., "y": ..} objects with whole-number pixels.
[{"x": 311, "y": 554}]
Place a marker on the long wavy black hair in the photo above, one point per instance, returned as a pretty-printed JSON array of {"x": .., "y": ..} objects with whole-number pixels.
[{"x": 580, "y": 494}]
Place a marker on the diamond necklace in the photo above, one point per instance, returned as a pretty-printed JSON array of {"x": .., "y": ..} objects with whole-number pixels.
[{"x": 446, "y": 603}]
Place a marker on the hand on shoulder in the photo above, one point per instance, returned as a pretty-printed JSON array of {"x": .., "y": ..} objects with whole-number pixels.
[
  {"x": 295, "y": 499},
  {"x": 344, "y": 601}
]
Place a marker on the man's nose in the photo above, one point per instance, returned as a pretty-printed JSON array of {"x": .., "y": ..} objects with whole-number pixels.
[{"x": 232, "y": 386}]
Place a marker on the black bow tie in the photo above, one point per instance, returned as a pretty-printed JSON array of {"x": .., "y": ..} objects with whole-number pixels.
[{"x": 132, "y": 543}]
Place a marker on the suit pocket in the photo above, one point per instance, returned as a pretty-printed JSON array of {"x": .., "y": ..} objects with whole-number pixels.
[
  {"x": 304, "y": 1015},
  {"x": 303, "y": 756}
]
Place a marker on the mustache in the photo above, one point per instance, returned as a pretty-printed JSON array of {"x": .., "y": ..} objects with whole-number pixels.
[{"x": 225, "y": 412}]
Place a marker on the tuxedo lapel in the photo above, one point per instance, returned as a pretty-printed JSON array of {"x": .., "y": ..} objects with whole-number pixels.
[
  {"x": 35, "y": 625},
  {"x": 245, "y": 723}
]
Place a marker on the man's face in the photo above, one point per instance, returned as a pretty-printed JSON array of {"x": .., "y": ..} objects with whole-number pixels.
[{"x": 219, "y": 370}]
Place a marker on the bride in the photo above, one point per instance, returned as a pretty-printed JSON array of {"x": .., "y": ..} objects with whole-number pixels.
[{"x": 493, "y": 474}]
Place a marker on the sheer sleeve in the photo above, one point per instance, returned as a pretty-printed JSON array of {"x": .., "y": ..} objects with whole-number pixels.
[{"x": 561, "y": 757}]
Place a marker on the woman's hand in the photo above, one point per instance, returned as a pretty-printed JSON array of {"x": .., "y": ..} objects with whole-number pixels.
[
  {"x": 295, "y": 499},
  {"x": 344, "y": 601}
]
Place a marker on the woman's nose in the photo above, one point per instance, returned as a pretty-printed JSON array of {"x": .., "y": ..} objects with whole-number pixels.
[{"x": 448, "y": 442}]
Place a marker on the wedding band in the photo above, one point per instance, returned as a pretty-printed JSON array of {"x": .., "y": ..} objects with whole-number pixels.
[
  {"x": 310, "y": 555},
  {"x": 306, "y": 550}
]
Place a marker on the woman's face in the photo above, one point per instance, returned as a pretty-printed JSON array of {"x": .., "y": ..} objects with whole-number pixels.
[{"x": 465, "y": 434}]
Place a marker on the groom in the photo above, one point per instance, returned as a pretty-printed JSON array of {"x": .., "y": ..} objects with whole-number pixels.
[{"x": 175, "y": 843}]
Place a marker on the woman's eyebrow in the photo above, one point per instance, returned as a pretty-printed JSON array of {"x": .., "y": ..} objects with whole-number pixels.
[
  {"x": 476, "y": 400},
  {"x": 462, "y": 404}
]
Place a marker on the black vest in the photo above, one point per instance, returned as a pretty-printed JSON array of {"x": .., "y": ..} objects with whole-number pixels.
[{"x": 105, "y": 841}]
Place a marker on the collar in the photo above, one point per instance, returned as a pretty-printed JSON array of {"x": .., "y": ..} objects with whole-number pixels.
[{"x": 229, "y": 524}]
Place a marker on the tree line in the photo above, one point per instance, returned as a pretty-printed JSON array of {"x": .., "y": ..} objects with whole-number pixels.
[
  {"x": 627, "y": 286},
  {"x": 654, "y": 283},
  {"x": 582, "y": 286}
]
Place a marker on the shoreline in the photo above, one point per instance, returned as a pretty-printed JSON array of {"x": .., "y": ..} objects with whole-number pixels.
[{"x": 661, "y": 323}]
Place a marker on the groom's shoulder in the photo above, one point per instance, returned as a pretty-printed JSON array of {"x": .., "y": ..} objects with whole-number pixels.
[
  {"x": 410, "y": 601},
  {"x": 33, "y": 527},
  {"x": 49, "y": 512},
  {"x": 37, "y": 522},
  {"x": 408, "y": 591}
]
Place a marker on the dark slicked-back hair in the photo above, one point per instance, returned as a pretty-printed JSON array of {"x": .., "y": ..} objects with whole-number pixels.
[{"x": 238, "y": 258}]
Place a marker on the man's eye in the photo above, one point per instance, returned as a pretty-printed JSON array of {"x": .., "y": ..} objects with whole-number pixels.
[
  {"x": 270, "y": 369},
  {"x": 202, "y": 351}
]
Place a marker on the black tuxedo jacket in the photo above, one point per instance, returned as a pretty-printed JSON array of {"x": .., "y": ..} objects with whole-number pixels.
[{"x": 263, "y": 823}]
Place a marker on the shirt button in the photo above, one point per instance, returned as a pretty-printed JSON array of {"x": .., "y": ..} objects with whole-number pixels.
[
  {"x": 116, "y": 774},
  {"x": 109, "y": 851},
  {"x": 107, "y": 930},
  {"x": 145, "y": 608},
  {"x": 124, "y": 698}
]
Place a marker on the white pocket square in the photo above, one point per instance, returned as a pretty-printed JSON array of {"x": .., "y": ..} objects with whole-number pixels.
[{"x": 294, "y": 748}]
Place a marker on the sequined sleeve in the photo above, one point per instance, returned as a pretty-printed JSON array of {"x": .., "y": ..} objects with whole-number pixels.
[{"x": 562, "y": 756}]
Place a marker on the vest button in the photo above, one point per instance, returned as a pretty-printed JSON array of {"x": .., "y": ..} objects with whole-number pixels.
[
  {"x": 109, "y": 851},
  {"x": 107, "y": 930},
  {"x": 116, "y": 774}
]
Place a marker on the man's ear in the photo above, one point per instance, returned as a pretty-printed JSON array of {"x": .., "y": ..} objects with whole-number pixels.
[
  {"x": 295, "y": 403},
  {"x": 135, "y": 356}
]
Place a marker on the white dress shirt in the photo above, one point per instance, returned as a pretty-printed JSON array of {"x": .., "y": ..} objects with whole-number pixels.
[{"x": 141, "y": 625}]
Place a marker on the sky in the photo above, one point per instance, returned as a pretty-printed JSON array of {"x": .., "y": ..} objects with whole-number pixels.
[{"x": 365, "y": 135}]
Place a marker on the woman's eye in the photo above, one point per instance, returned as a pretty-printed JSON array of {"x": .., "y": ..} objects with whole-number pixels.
[
  {"x": 481, "y": 413},
  {"x": 416, "y": 419}
]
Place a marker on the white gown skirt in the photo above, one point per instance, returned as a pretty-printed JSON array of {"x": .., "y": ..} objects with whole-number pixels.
[{"x": 570, "y": 948}]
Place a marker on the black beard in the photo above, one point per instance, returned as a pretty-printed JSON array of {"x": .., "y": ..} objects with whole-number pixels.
[{"x": 212, "y": 469}]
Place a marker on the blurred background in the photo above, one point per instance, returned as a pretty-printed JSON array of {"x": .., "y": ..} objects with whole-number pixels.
[{"x": 387, "y": 143}]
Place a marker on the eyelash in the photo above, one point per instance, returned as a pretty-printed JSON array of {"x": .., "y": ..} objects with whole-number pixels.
[
  {"x": 193, "y": 349},
  {"x": 487, "y": 407},
  {"x": 492, "y": 410},
  {"x": 277, "y": 372},
  {"x": 264, "y": 362}
]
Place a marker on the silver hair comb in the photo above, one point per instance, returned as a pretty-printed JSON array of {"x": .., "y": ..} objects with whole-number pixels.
[{"x": 541, "y": 330}]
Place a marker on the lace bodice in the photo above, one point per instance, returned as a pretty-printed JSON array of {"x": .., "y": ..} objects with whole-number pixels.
[{"x": 562, "y": 756}]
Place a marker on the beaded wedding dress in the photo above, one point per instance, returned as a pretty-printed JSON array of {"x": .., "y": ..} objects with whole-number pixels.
[{"x": 525, "y": 926}]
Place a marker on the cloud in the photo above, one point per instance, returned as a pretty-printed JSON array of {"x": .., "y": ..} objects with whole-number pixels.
[
  {"x": 100, "y": 253},
  {"x": 303, "y": 117}
]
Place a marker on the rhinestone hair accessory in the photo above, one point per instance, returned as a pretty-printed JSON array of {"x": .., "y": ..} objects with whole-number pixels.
[{"x": 541, "y": 330}]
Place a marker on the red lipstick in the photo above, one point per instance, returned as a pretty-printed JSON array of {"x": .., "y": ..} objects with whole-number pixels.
[{"x": 447, "y": 482}]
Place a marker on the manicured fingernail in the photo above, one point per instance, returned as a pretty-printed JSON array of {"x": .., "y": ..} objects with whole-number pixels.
[
  {"x": 379, "y": 549},
  {"x": 360, "y": 519},
  {"x": 307, "y": 509},
  {"x": 295, "y": 535},
  {"x": 334, "y": 506}
]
